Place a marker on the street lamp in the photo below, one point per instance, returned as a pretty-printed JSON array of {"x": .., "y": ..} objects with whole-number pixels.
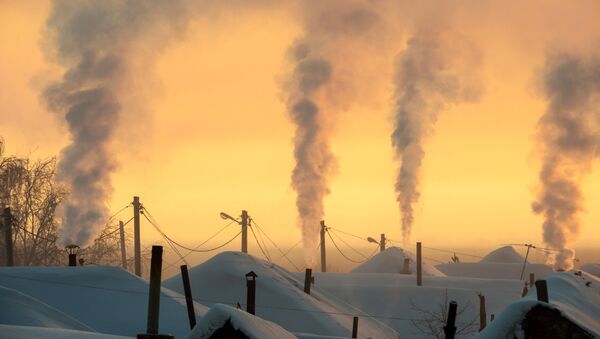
[
  {"x": 72, "y": 250},
  {"x": 369, "y": 239},
  {"x": 226, "y": 216}
]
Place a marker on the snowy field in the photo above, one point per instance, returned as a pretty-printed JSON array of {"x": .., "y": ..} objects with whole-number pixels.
[{"x": 106, "y": 302}]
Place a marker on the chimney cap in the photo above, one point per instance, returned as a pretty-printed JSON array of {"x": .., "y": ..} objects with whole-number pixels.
[{"x": 72, "y": 249}]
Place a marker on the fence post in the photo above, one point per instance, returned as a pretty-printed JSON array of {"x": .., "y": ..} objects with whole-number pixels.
[
  {"x": 189, "y": 302},
  {"x": 482, "y": 313},
  {"x": 531, "y": 279},
  {"x": 154, "y": 297},
  {"x": 450, "y": 328},
  {"x": 355, "y": 327}
]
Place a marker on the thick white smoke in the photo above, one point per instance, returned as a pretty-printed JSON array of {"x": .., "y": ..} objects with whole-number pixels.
[
  {"x": 569, "y": 141},
  {"x": 438, "y": 68},
  {"x": 95, "y": 41}
]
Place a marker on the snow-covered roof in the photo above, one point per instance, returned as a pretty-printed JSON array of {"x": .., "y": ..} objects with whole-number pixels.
[
  {"x": 20, "y": 332},
  {"x": 23, "y": 310},
  {"x": 392, "y": 261},
  {"x": 107, "y": 299},
  {"x": 576, "y": 296},
  {"x": 505, "y": 254},
  {"x": 493, "y": 270},
  {"x": 279, "y": 296},
  {"x": 253, "y": 327},
  {"x": 593, "y": 269}
]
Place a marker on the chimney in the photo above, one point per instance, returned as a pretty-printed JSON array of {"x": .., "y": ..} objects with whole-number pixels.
[{"x": 72, "y": 251}]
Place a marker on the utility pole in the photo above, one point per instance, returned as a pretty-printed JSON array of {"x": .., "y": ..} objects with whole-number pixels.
[
  {"x": 244, "y": 231},
  {"x": 482, "y": 313},
  {"x": 419, "y": 265},
  {"x": 323, "y": 252},
  {"x": 137, "y": 245},
  {"x": 529, "y": 246},
  {"x": 123, "y": 253},
  {"x": 8, "y": 223},
  {"x": 382, "y": 243}
]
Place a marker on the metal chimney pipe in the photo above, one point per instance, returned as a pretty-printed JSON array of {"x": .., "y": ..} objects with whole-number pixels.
[{"x": 72, "y": 251}]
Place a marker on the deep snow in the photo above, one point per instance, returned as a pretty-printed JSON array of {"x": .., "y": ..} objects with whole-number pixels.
[
  {"x": 106, "y": 299},
  {"x": 279, "y": 297},
  {"x": 392, "y": 261}
]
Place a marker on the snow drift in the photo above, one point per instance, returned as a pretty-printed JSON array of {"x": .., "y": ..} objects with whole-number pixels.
[
  {"x": 396, "y": 300},
  {"x": 506, "y": 254},
  {"x": 279, "y": 297},
  {"x": 20, "y": 332},
  {"x": 23, "y": 310},
  {"x": 106, "y": 299},
  {"x": 593, "y": 269},
  {"x": 392, "y": 261}
]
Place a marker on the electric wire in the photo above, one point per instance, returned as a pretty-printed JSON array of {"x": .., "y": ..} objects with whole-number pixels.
[
  {"x": 342, "y": 253},
  {"x": 347, "y": 244},
  {"x": 275, "y": 245},
  {"x": 258, "y": 243}
]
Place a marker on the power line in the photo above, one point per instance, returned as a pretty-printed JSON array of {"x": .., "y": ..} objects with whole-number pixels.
[
  {"x": 454, "y": 252},
  {"x": 352, "y": 248},
  {"x": 258, "y": 243},
  {"x": 274, "y": 244},
  {"x": 342, "y": 253},
  {"x": 350, "y": 234}
]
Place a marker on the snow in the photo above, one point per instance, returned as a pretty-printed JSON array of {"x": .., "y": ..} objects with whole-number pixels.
[
  {"x": 279, "y": 297},
  {"x": 506, "y": 254},
  {"x": 395, "y": 299},
  {"x": 251, "y": 326},
  {"x": 106, "y": 299},
  {"x": 20, "y": 332},
  {"x": 21, "y": 309},
  {"x": 392, "y": 261},
  {"x": 494, "y": 270},
  {"x": 593, "y": 269},
  {"x": 568, "y": 292}
]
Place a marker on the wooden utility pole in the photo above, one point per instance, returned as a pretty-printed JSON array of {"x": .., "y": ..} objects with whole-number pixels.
[
  {"x": 419, "y": 266},
  {"x": 123, "y": 250},
  {"x": 482, "y": 313},
  {"x": 154, "y": 297},
  {"x": 137, "y": 245},
  {"x": 307, "y": 280},
  {"x": 323, "y": 252},
  {"x": 189, "y": 302},
  {"x": 8, "y": 238},
  {"x": 244, "y": 231},
  {"x": 382, "y": 243},
  {"x": 529, "y": 246}
]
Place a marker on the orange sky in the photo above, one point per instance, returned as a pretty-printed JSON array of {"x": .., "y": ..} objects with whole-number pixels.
[{"x": 220, "y": 138}]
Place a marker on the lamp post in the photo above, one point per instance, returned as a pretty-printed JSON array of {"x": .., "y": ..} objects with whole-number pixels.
[
  {"x": 72, "y": 250},
  {"x": 243, "y": 223},
  {"x": 251, "y": 292}
]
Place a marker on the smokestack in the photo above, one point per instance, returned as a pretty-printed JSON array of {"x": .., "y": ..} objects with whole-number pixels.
[
  {"x": 568, "y": 140},
  {"x": 436, "y": 70},
  {"x": 72, "y": 251}
]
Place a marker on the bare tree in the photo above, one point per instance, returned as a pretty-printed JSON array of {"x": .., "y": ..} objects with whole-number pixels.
[
  {"x": 432, "y": 322},
  {"x": 28, "y": 188}
]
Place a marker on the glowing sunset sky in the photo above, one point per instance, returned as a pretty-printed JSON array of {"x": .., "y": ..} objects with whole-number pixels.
[{"x": 218, "y": 137}]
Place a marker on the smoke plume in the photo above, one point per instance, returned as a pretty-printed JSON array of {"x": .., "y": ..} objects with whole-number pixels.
[
  {"x": 438, "y": 68},
  {"x": 569, "y": 139},
  {"x": 322, "y": 83},
  {"x": 96, "y": 41}
]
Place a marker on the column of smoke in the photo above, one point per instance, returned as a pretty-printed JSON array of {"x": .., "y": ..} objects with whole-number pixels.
[
  {"x": 437, "y": 68},
  {"x": 321, "y": 82},
  {"x": 569, "y": 140},
  {"x": 94, "y": 40}
]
